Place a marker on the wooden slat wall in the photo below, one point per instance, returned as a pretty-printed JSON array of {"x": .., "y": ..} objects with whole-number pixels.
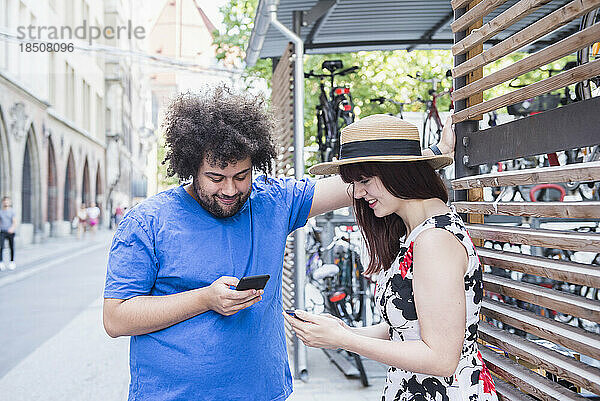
[
  {"x": 526, "y": 307},
  {"x": 282, "y": 103}
]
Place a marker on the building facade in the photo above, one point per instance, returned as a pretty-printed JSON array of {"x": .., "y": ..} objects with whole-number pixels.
[{"x": 74, "y": 125}]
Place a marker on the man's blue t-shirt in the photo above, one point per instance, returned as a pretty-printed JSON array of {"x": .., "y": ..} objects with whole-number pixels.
[{"x": 170, "y": 244}]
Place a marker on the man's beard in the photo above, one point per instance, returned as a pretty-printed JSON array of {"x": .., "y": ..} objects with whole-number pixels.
[{"x": 212, "y": 205}]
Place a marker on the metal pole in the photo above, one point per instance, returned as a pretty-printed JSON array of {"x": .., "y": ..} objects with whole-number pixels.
[{"x": 300, "y": 367}]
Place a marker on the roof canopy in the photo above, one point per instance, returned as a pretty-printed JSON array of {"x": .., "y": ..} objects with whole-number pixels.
[{"x": 335, "y": 26}]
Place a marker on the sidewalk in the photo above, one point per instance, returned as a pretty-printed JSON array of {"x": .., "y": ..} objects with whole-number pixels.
[
  {"x": 327, "y": 383},
  {"x": 53, "y": 246},
  {"x": 32, "y": 258}
]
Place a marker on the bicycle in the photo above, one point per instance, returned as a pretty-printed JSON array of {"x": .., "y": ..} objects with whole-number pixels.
[
  {"x": 334, "y": 111},
  {"x": 341, "y": 291},
  {"x": 432, "y": 124},
  {"x": 381, "y": 100}
]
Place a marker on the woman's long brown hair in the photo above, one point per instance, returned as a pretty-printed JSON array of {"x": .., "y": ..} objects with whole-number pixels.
[{"x": 405, "y": 180}]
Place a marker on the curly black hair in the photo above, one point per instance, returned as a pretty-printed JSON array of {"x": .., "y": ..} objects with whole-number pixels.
[{"x": 220, "y": 125}]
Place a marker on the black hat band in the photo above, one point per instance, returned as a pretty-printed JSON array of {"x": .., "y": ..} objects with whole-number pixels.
[{"x": 380, "y": 147}]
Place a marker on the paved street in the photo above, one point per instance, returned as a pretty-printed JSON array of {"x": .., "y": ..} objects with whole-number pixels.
[{"x": 55, "y": 348}]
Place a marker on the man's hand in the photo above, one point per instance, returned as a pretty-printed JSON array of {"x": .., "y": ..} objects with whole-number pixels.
[
  {"x": 226, "y": 301},
  {"x": 448, "y": 138}
]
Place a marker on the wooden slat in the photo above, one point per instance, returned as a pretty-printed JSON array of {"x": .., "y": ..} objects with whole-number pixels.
[
  {"x": 551, "y": 53},
  {"x": 478, "y": 73},
  {"x": 507, "y": 392},
  {"x": 561, "y": 239},
  {"x": 528, "y": 35},
  {"x": 566, "y": 78},
  {"x": 563, "y": 366},
  {"x": 476, "y": 195},
  {"x": 583, "y": 210},
  {"x": 580, "y": 172},
  {"x": 570, "y": 272},
  {"x": 459, "y": 3},
  {"x": 526, "y": 380},
  {"x": 556, "y": 300},
  {"x": 479, "y": 11},
  {"x": 505, "y": 19},
  {"x": 570, "y": 337}
]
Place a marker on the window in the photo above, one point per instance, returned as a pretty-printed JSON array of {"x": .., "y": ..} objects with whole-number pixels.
[
  {"x": 69, "y": 92},
  {"x": 51, "y": 79},
  {"x": 99, "y": 118},
  {"x": 87, "y": 120}
]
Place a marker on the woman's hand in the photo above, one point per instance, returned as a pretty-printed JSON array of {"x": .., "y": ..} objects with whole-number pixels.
[{"x": 319, "y": 331}]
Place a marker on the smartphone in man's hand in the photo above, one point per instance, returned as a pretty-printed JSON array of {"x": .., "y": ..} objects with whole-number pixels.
[{"x": 253, "y": 282}]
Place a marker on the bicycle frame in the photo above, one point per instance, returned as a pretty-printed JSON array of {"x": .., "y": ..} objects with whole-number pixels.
[{"x": 335, "y": 109}]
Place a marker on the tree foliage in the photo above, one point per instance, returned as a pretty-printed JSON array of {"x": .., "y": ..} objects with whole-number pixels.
[{"x": 381, "y": 73}]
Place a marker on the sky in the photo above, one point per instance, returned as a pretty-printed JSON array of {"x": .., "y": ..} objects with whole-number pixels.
[{"x": 210, "y": 8}]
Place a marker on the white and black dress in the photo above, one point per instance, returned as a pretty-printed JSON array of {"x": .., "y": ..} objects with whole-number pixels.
[{"x": 394, "y": 296}]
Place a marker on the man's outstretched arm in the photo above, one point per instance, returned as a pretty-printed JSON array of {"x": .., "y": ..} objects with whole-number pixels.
[{"x": 332, "y": 193}]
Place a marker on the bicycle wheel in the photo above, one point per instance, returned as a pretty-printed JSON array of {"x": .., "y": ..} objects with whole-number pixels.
[
  {"x": 431, "y": 131},
  {"x": 338, "y": 309},
  {"x": 321, "y": 133},
  {"x": 358, "y": 294},
  {"x": 361, "y": 369},
  {"x": 585, "y": 89}
]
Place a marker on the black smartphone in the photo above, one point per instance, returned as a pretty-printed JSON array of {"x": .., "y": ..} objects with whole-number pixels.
[
  {"x": 292, "y": 313},
  {"x": 253, "y": 282}
]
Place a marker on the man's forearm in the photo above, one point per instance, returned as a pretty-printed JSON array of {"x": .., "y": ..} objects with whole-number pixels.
[{"x": 146, "y": 314}]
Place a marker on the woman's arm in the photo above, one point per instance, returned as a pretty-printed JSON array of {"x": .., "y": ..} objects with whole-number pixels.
[
  {"x": 380, "y": 330},
  {"x": 438, "y": 282}
]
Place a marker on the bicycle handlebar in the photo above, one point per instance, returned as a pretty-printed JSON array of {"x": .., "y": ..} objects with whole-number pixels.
[
  {"x": 379, "y": 100},
  {"x": 347, "y": 71}
]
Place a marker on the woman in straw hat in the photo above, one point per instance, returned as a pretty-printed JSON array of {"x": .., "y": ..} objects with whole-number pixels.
[{"x": 429, "y": 286}]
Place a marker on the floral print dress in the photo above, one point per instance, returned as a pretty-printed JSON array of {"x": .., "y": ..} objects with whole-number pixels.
[{"x": 394, "y": 296}]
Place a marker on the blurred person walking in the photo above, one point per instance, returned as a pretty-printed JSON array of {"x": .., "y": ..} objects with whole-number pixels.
[
  {"x": 93, "y": 214},
  {"x": 82, "y": 217},
  {"x": 8, "y": 225},
  {"x": 119, "y": 212}
]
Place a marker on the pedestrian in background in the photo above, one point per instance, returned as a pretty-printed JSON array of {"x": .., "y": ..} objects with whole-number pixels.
[
  {"x": 8, "y": 225},
  {"x": 118, "y": 215},
  {"x": 93, "y": 214},
  {"x": 81, "y": 221}
]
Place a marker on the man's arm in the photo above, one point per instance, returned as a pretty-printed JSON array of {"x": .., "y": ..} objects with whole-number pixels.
[
  {"x": 332, "y": 193},
  {"x": 146, "y": 314}
]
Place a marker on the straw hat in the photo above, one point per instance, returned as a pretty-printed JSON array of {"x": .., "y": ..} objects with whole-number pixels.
[{"x": 379, "y": 138}]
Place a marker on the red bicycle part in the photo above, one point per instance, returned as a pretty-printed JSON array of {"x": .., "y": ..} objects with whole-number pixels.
[{"x": 533, "y": 190}]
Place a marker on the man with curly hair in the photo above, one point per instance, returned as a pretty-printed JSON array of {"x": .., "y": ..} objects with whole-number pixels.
[{"x": 176, "y": 256}]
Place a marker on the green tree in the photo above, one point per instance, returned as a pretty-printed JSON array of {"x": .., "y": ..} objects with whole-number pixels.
[
  {"x": 381, "y": 73},
  {"x": 238, "y": 21}
]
